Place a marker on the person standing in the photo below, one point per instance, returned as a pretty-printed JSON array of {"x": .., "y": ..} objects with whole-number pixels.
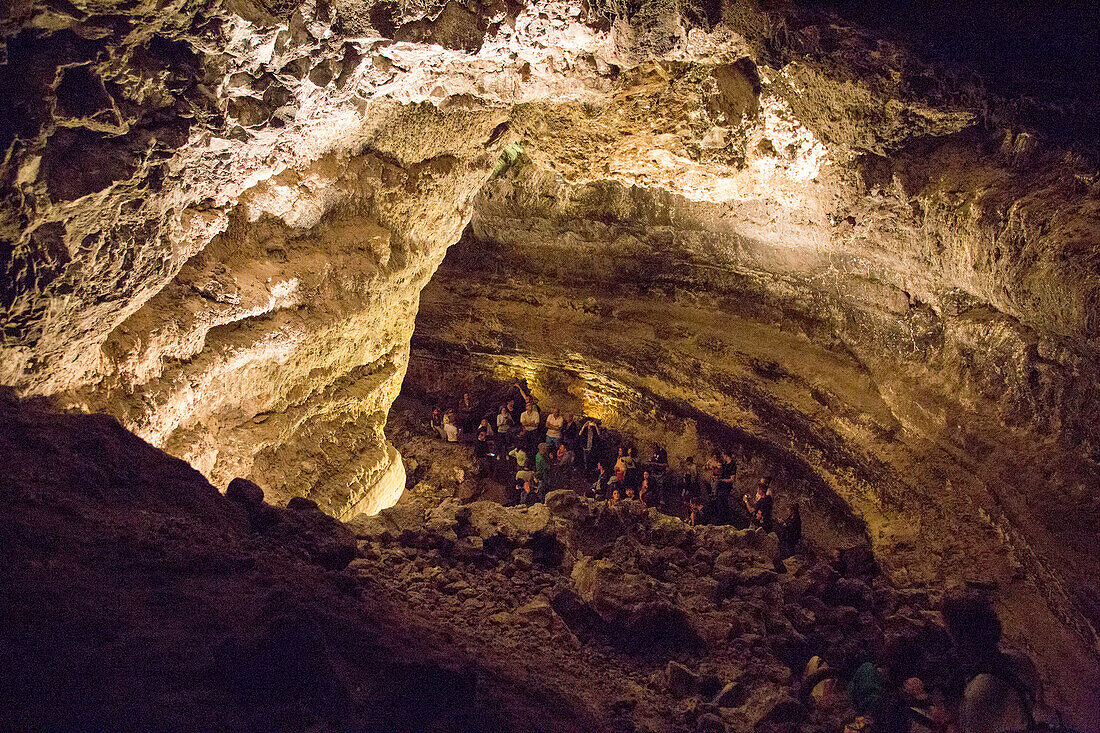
[
  {"x": 514, "y": 410},
  {"x": 465, "y": 412},
  {"x": 761, "y": 508},
  {"x": 554, "y": 424},
  {"x": 529, "y": 421},
  {"x": 570, "y": 432},
  {"x": 599, "y": 488},
  {"x": 723, "y": 487},
  {"x": 542, "y": 467},
  {"x": 658, "y": 473},
  {"x": 504, "y": 421},
  {"x": 589, "y": 441},
  {"x": 790, "y": 531}
]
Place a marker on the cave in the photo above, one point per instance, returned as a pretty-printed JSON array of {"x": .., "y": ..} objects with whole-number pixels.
[{"x": 248, "y": 246}]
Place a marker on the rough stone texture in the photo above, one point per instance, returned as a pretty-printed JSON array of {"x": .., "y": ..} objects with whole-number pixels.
[
  {"x": 217, "y": 220},
  {"x": 134, "y": 596},
  {"x": 641, "y": 308}
]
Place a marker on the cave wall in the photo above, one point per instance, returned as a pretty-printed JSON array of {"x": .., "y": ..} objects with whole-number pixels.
[
  {"x": 241, "y": 287},
  {"x": 217, "y": 220},
  {"x": 915, "y": 402}
]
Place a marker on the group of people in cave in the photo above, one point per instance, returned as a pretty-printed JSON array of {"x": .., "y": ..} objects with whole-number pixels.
[{"x": 532, "y": 451}]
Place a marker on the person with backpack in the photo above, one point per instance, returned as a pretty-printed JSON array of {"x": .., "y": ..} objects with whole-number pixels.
[{"x": 1002, "y": 688}]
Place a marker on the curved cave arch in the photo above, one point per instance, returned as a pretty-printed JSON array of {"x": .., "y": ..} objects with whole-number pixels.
[{"x": 228, "y": 227}]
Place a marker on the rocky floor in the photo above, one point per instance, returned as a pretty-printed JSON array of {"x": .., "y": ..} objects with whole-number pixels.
[
  {"x": 644, "y": 621},
  {"x": 135, "y": 595}
]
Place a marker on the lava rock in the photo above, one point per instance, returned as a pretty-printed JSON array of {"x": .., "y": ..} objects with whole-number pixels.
[
  {"x": 710, "y": 723},
  {"x": 785, "y": 710},
  {"x": 680, "y": 680},
  {"x": 244, "y": 492},
  {"x": 302, "y": 504},
  {"x": 733, "y": 695},
  {"x": 850, "y": 592}
]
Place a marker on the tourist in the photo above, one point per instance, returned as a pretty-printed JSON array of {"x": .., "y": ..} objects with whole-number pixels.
[
  {"x": 689, "y": 479},
  {"x": 765, "y": 509},
  {"x": 613, "y": 485},
  {"x": 624, "y": 464},
  {"x": 528, "y": 496},
  {"x": 529, "y": 421},
  {"x": 790, "y": 531},
  {"x": 658, "y": 472},
  {"x": 554, "y": 424},
  {"x": 620, "y": 464},
  {"x": 632, "y": 475},
  {"x": 525, "y": 474},
  {"x": 659, "y": 462},
  {"x": 590, "y": 443},
  {"x": 761, "y": 508},
  {"x": 599, "y": 488},
  {"x": 1002, "y": 688},
  {"x": 563, "y": 466},
  {"x": 513, "y": 410},
  {"x": 542, "y": 465},
  {"x": 875, "y": 691},
  {"x": 515, "y": 496},
  {"x": 450, "y": 430},
  {"x": 483, "y": 439},
  {"x": 465, "y": 412},
  {"x": 570, "y": 431},
  {"x": 695, "y": 511},
  {"x": 437, "y": 424},
  {"x": 505, "y": 423},
  {"x": 519, "y": 455},
  {"x": 723, "y": 486},
  {"x": 526, "y": 397}
]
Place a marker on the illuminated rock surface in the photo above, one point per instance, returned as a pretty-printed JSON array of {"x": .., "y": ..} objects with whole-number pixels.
[{"x": 217, "y": 220}]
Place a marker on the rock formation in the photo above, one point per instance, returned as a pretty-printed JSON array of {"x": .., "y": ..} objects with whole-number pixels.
[
  {"x": 217, "y": 221},
  {"x": 136, "y": 596}
]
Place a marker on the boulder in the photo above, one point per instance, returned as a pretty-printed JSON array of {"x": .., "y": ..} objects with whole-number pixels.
[
  {"x": 407, "y": 513},
  {"x": 243, "y": 491},
  {"x": 612, "y": 592},
  {"x": 302, "y": 504},
  {"x": 756, "y": 576},
  {"x": 710, "y": 723},
  {"x": 732, "y": 695},
  {"x": 502, "y": 525},
  {"x": 791, "y": 648},
  {"x": 315, "y": 536},
  {"x": 850, "y": 592},
  {"x": 566, "y": 504},
  {"x": 680, "y": 680},
  {"x": 784, "y": 710}
]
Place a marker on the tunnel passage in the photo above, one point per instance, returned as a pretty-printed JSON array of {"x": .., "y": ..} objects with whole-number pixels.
[
  {"x": 439, "y": 373},
  {"x": 620, "y": 297},
  {"x": 217, "y": 222}
]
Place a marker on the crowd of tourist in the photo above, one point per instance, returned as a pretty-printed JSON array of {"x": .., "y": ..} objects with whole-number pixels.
[{"x": 533, "y": 450}]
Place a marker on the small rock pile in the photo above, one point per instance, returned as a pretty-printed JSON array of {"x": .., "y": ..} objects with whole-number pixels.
[{"x": 645, "y": 622}]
